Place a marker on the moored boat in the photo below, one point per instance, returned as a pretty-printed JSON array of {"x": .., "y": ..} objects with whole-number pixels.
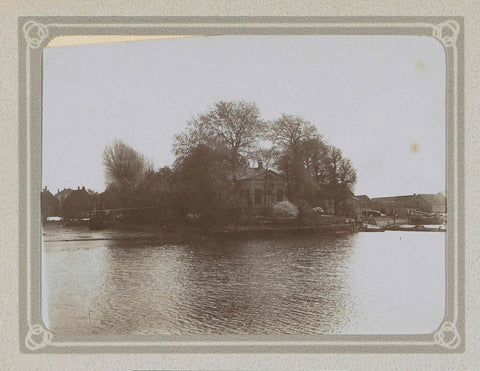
[
  {"x": 421, "y": 228},
  {"x": 371, "y": 228},
  {"x": 420, "y": 218}
]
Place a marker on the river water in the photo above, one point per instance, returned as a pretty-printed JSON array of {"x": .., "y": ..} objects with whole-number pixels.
[{"x": 363, "y": 283}]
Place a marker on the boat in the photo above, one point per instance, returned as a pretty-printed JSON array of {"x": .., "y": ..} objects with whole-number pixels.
[
  {"x": 371, "y": 228},
  {"x": 405, "y": 227},
  {"x": 420, "y": 218},
  {"x": 421, "y": 228},
  {"x": 424, "y": 220},
  {"x": 435, "y": 228}
]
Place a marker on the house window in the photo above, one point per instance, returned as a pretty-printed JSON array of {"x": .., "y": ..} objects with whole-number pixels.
[
  {"x": 246, "y": 196},
  {"x": 279, "y": 194},
  {"x": 258, "y": 196}
]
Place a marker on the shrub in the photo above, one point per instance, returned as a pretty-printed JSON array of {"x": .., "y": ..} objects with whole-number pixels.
[
  {"x": 318, "y": 210},
  {"x": 285, "y": 209}
]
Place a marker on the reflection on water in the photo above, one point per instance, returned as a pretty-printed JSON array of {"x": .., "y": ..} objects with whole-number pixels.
[{"x": 390, "y": 282}]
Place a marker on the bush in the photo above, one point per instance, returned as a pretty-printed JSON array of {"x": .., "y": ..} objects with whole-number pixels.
[
  {"x": 285, "y": 209},
  {"x": 318, "y": 210}
]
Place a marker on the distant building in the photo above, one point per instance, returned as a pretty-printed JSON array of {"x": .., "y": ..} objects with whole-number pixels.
[
  {"x": 76, "y": 203},
  {"x": 352, "y": 206},
  {"x": 259, "y": 188},
  {"x": 430, "y": 203},
  {"x": 62, "y": 195},
  {"x": 363, "y": 202},
  {"x": 50, "y": 204},
  {"x": 403, "y": 200},
  {"x": 384, "y": 199},
  {"x": 363, "y": 198},
  {"x": 401, "y": 205},
  {"x": 392, "y": 205},
  {"x": 337, "y": 199}
]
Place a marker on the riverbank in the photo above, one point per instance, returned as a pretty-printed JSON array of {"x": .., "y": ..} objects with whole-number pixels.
[{"x": 54, "y": 232}]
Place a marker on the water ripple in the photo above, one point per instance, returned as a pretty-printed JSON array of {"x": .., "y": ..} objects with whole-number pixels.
[{"x": 362, "y": 283}]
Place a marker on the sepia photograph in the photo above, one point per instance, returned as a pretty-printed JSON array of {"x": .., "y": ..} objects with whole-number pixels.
[{"x": 244, "y": 185}]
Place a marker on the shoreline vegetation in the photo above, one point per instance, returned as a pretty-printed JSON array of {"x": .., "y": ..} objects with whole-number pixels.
[
  {"x": 301, "y": 184},
  {"x": 149, "y": 234},
  {"x": 152, "y": 232},
  {"x": 257, "y": 227}
]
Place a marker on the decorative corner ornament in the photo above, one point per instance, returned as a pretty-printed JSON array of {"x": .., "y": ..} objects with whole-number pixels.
[
  {"x": 37, "y": 337},
  {"x": 447, "y": 336},
  {"x": 447, "y": 32},
  {"x": 34, "y": 33}
]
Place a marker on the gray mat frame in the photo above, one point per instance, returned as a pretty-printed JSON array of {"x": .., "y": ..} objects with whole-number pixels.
[{"x": 35, "y": 32}]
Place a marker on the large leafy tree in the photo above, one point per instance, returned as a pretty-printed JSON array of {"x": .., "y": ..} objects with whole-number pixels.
[
  {"x": 125, "y": 171},
  {"x": 314, "y": 154},
  {"x": 155, "y": 186},
  {"x": 339, "y": 170},
  {"x": 76, "y": 202},
  {"x": 124, "y": 167},
  {"x": 232, "y": 129},
  {"x": 340, "y": 175},
  {"x": 201, "y": 183},
  {"x": 289, "y": 132},
  {"x": 302, "y": 150},
  {"x": 311, "y": 167}
]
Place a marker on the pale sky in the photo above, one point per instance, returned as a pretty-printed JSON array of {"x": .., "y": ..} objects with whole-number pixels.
[{"x": 380, "y": 99}]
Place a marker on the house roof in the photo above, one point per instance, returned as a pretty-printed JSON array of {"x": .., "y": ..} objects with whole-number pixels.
[
  {"x": 363, "y": 198},
  {"x": 383, "y": 199},
  {"x": 254, "y": 173},
  {"x": 47, "y": 196},
  {"x": 432, "y": 199},
  {"x": 404, "y": 198},
  {"x": 330, "y": 190},
  {"x": 64, "y": 191},
  {"x": 78, "y": 194}
]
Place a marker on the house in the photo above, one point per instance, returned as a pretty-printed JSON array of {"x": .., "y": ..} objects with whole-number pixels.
[
  {"x": 384, "y": 199},
  {"x": 76, "y": 203},
  {"x": 363, "y": 198},
  {"x": 260, "y": 188},
  {"x": 401, "y": 205},
  {"x": 50, "y": 204},
  {"x": 352, "y": 206},
  {"x": 337, "y": 199},
  {"x": 392, "y": 205},
  {"x": 430, "y": 203},
  {"x": 62, "y": 195},
  {"x": 403, "y": 200},
  {"x": 385, "y": 205},
  {"x": 363, "y": 202}
]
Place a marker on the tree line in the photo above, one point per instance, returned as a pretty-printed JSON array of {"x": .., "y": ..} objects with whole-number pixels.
[{"x": 216, "y": 144}]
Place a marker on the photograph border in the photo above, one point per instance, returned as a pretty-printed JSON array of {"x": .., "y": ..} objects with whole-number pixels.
[{"x": 34, "y": 35}]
